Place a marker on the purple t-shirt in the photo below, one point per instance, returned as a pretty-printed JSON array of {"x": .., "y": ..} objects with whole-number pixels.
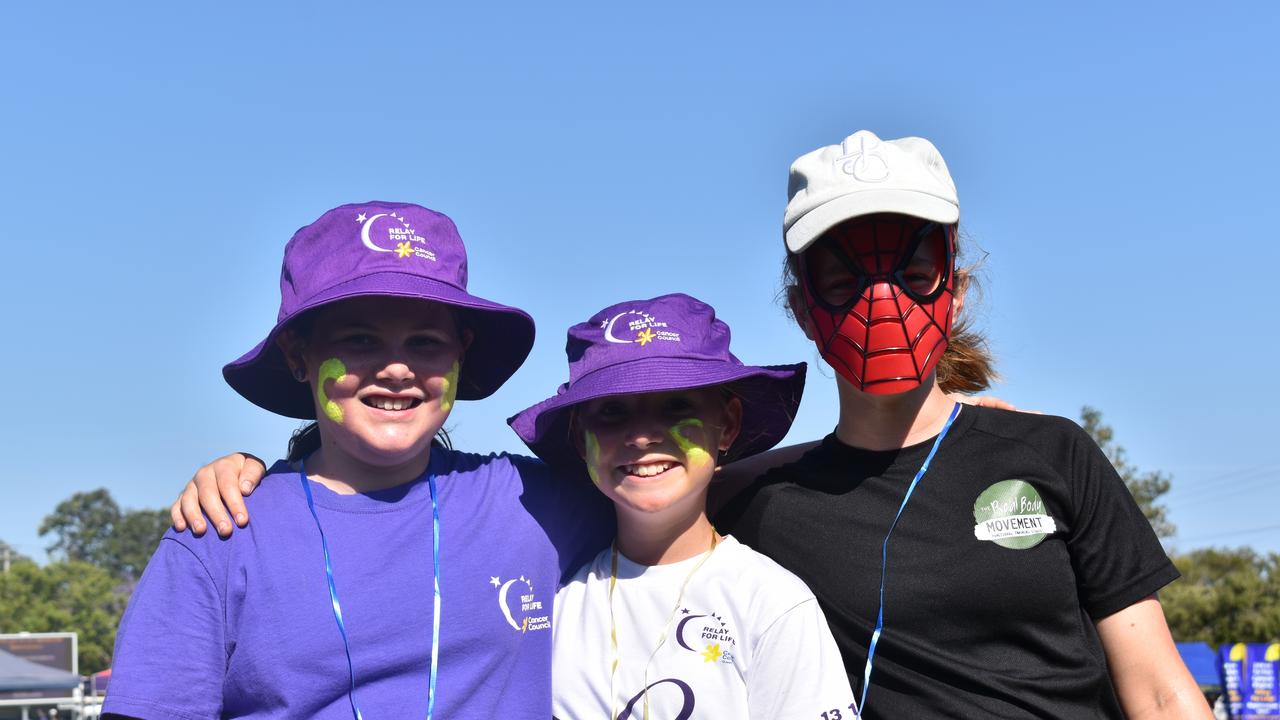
[{"x": 244, "y": 627}]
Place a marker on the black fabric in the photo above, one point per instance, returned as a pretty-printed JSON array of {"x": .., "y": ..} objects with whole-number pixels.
[{"x": 972, "y": 629}]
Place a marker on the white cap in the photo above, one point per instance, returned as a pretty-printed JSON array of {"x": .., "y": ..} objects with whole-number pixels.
[{"x": 865, "y": 175}]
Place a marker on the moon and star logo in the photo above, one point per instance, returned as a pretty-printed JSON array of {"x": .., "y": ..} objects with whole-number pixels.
[
  {"x": 533, "y": 616},
  {"x": 396, "y": 232},
  {"x": 643, "y": 327},
  {"x": 711, "y": 637}
]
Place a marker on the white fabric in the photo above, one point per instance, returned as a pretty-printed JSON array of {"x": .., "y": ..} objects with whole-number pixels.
[
  {"x": 747, "y": 641},
  {"x": 865, "y": 175}
]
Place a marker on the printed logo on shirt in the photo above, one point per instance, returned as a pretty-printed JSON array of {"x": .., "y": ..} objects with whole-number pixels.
[
  {"x": 520, "y": 605},
  {"x": 638, "y": 325},
  {"x": 706, "y": 634},
  {"x": 666, "y": 686},
  {"x": 1011, "y": 514},
  {"x": 391, "y": 233}
]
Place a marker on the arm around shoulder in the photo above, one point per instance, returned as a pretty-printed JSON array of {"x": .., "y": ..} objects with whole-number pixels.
[{"x": 1149, "y": 675}]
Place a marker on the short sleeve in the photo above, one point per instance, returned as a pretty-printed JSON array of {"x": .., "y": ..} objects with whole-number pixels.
[
  {"x": 796, "y": 670},
  {"x": 578, "y": 519},
  {"x": 170, "y": 656},
  {"x": 1116, "y": 555}
]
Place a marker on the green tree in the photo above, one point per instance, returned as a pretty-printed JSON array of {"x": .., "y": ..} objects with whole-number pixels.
[
  {"x": 81, "y": 527},
  {"x": 1224, "y": 596},
  {"x": 1146, "y": 487},
  {"x": 9, "y": 554},
  {"x": 60, "y": 597},
  {"x": 135, "y": 539},
  {"x": 90, "y": 527}
]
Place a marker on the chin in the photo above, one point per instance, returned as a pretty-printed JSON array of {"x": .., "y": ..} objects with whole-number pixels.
[
  {"x": 391, "y": 454},
  {"x": 652, "y": 503}
]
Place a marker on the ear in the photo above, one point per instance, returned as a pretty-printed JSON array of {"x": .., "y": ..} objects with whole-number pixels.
[
  {"x": 959, "y": 289},
  {"x": 291, "y": 346},
  {"x": 800, "y": 310},
  {"x": 732, "y": 423}
]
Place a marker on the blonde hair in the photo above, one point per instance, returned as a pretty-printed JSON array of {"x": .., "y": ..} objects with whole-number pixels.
[{"x": 967, "y": 365}]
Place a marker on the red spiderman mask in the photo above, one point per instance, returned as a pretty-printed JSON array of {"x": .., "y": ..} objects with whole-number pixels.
[{"x": 879, "y": 290}]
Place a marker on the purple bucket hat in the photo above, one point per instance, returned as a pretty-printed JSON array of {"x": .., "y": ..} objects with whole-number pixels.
[
  {"x": 389, "y": 249},
  {"x": 672, "y": 342}
]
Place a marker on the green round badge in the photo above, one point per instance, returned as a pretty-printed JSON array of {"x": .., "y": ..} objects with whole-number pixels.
[{"x": 1011, "y": 514}]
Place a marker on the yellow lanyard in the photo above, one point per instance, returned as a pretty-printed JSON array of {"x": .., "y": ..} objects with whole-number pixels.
[{"x": 662, "y": 639}]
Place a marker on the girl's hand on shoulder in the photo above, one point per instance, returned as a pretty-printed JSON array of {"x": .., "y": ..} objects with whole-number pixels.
[
  {"x": 989, "y": 401},
  {"x": 218, "y": 489}
]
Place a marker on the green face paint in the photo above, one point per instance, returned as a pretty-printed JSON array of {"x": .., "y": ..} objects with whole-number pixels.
[
  {"x": 331, "y": 369},
  {"x": 696, "y": 453},
  {"x": 450, "y": 392},
  {"x": 592, "y": 444}
]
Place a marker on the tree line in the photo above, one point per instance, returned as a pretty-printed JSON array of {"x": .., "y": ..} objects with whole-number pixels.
[{"x": 98, "y": 552}]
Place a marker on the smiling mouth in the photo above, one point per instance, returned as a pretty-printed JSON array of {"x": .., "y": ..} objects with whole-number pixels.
[
  {"x": 647, "y": 469},
  {"x": 386, "y": 403}
]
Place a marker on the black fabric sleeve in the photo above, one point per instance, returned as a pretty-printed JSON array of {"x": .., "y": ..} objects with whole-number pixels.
[{"x": 1116, "y": 555}]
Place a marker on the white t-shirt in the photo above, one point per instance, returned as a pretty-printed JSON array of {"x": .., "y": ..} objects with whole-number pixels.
[{"x": 747, "y": 641}]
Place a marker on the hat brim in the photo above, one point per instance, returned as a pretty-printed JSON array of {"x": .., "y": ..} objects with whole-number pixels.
[
  {"x": 770, "y": 396},
  {"x": 502, "y": 337},
  {"x": 810, "y": 226}
]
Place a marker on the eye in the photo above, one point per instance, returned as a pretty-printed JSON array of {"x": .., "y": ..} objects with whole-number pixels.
[
  {"x": 427, "y": 341},
  {"x": 606, "y": 412},
  {"x": 357, "y": 339},
  {"x": 679, "y": 406},
  {"x": 924, "y": 271},
  {"x": 831, "y": 280},
  {"x": 921, "y": 279},
  {"x": 837, "y": 291}
]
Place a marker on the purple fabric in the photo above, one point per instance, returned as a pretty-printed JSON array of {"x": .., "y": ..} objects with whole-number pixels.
[
  {"x": 671, "y": 342},
  {"x": 244, "y": 627},
  {"x": 381, "y": 248}
]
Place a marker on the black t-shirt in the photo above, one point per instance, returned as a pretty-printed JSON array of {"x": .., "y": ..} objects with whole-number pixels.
[{"x": 1015, "y": 541}]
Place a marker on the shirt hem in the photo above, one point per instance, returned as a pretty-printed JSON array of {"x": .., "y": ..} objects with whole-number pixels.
[
  {"x": 139, "y": 708},
  {"x": 1148, "y": 585}
]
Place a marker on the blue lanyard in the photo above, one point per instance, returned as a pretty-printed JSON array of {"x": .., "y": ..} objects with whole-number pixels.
[
  {"x": 884, "y": 558},
  {"x": 337, "y": 607}
]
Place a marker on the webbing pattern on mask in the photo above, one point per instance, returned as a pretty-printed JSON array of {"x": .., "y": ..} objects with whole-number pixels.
[{"x": 883, "y": 338}]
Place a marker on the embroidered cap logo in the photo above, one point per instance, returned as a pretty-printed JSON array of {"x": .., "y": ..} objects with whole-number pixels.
[{"x": 863, "y": 164}]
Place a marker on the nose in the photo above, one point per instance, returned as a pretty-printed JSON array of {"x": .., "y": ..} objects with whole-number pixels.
[
  {"x": 883, "y": 301},
  {"x": 644, "y": 433},
  {"x": 396, "y": 371}
]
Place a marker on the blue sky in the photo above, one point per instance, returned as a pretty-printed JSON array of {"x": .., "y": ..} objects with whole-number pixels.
[{"x": 1115, "y": 163}]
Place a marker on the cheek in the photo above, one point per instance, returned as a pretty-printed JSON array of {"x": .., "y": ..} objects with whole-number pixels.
[
  {"x": 690, "y": 435},
  {"x": 591, "y": 455},
  {"x": 449, "y": 388},
  {"x": 332, "y": 376}
]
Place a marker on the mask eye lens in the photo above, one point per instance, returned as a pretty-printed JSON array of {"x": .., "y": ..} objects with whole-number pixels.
[
  {"x": 830, "y": 278},
  {"x": 925, "y": 271}
]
